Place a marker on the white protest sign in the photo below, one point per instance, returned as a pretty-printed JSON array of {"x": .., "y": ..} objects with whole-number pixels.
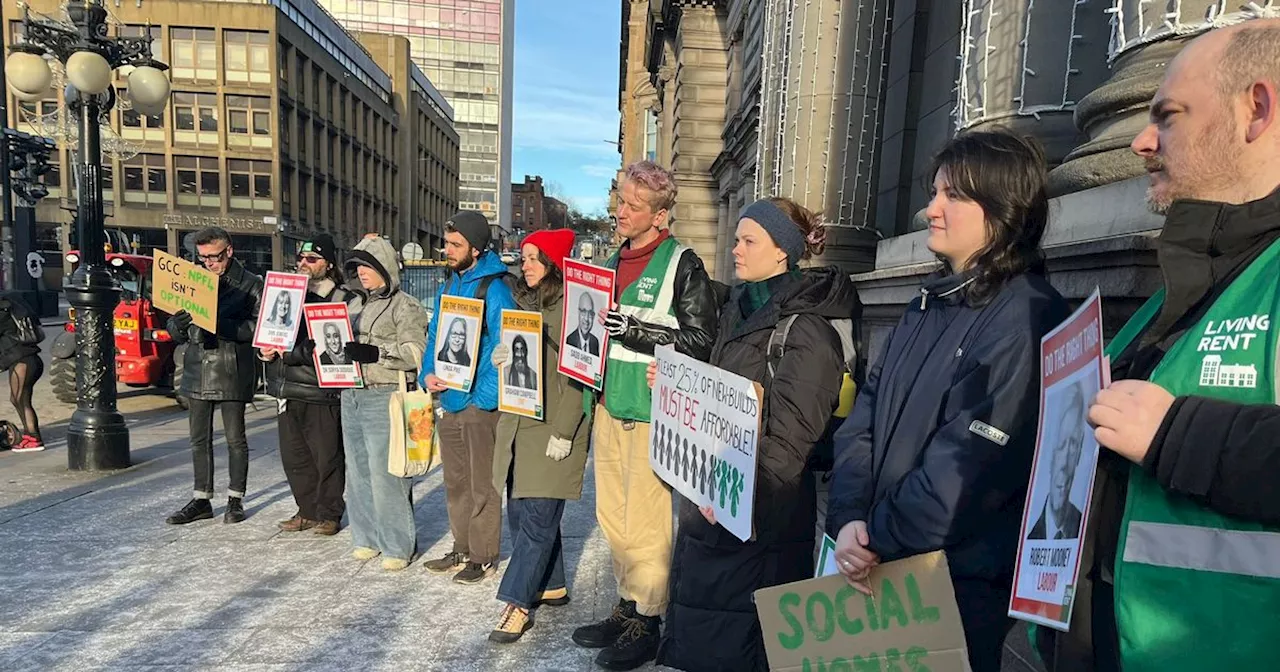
[{"x": 703, "y": 438}]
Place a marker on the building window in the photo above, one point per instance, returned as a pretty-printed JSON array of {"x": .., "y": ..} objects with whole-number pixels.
[
  {"x": 282, "y": 64},
  {"x": 304, "y": 188},
  {"x": 146, "y": 180},
  {"x": 53, "y": 178},
  {"x": 286, "y": 192},
  {"x": 300, "y": 73},
  {"x": 198, "y": 182},
  {"x": 195, "y": 119},
  {"x": 319, "y": 188},
  {"x": 195, "y": 55},
  {"x": 108, "y": 181},
  {"x": 142, "y": 127},
  {"x": 284, "y": 129},
  {"x": 250, "y": 184},
  {"x": 315, "y": 86},
  {"x": 249, "y": 121},
  {"x": 247, "y": 56}
]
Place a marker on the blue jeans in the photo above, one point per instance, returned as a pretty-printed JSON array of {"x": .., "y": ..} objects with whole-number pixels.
[
  {"x": 379, "y": 505},
  {"x": 537, "y": 561}
]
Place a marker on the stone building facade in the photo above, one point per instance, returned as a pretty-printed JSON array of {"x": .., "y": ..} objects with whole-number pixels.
[
  {"x": 527, "y": 205},
  {"x": 833, "y": 104}
]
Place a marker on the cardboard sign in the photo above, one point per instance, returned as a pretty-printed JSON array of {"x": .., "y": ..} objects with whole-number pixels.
[
  {"x": 1072, "y": 371},
  {"x": 182, "y": 285},
  {"x": 520, "y": 380},
  {"x": 458, "y": 341},
  {"x": 911, "y": 622},
  {"x": 329, "y": 325},
  {"x": 584, "y": 343},
  {"x": 278, "y": 317},
  {"x": 702, "y": 442}
]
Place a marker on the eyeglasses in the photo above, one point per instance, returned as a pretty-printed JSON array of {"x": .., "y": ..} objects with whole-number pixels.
[
  {"x": 310, "y": 258},
  {"x": 221, "y": 256}
]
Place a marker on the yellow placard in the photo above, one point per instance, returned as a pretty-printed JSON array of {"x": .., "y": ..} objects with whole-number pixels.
[
  {"x": 182, "y": 285},
  {"x": 458, "y": 341},
  {"x": 521, "y": 380}
]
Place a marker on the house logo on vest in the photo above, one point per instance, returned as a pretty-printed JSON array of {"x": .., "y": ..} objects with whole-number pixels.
[
  {"x": 644, "y": 289},
  {"x": 1213, "y": 373},
  {"x": 1230, "y": 335}
]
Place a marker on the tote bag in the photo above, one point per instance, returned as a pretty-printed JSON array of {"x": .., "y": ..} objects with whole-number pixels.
[{"x": 413, "y": 450}]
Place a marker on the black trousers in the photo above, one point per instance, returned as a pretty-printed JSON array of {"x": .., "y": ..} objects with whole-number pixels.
[
  {"x": 312, "y": 455},
  {"x": 202, "y": 446}
]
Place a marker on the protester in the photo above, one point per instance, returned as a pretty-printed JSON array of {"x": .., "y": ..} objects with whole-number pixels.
[
  {"x": 466, "y": 430},
  {"x": 1186, "y": 485},
  {"x": 388, "y": 326},
  {"x": 714, "y": 574},
  {"x": 22, "y": 360},
  {"x": 219, "y": 370},
  {"x": 664, "y": 297},
  {"x": 310, "y": 419},
  {"x": 937, "y": 452},
  {"x": 540, "y": 462}
]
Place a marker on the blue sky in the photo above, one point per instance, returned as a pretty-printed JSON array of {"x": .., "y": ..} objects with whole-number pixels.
[{"x": 566, "y": 96}]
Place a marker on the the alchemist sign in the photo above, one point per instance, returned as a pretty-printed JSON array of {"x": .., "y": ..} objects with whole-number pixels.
[
  {"x": 704, "y": 434},
  {"x": 181, "y": 285},
  {"x": 910, "y": 622}
]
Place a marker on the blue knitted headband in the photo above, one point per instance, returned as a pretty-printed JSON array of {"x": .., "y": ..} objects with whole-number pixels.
[{"x": 785, "y": 233}]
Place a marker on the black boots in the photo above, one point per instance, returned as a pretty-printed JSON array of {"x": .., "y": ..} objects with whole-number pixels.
[
  {"x": 196, "y": 509},
  {"x": 606, "y": 632},
  {"x": 235, "y": 511},
  {"x": 635, "y": 646}
]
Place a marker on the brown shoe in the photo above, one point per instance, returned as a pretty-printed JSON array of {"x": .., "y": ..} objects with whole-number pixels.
[
  {"x": 327, "y": 528},
  {"x": 296, "y": 524}
]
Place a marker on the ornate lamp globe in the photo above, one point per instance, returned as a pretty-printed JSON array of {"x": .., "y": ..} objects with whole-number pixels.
[
  {"x": 28, "y": 74},
  {"x": 89, "y": 72},
  {"x": 148, "y": 90}
]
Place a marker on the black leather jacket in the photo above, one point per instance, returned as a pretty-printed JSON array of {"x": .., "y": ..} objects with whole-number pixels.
[
  {"x": 293, "y": 375},
  {"x": 696, "y": 310},
  {"x": 223, "y": 366}
]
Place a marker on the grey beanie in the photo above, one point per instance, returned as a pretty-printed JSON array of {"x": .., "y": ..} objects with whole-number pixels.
[{"x": 473, "y": 226}]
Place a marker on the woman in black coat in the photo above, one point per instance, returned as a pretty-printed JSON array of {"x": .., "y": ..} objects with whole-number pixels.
[
  {"x": 21, "y": 359},
  {"x": 937, "y": 452},
  {"x": 711, "y": 620}
]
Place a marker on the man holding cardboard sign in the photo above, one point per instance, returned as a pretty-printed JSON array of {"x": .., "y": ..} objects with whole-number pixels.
[{"x": 219, "y": 370}]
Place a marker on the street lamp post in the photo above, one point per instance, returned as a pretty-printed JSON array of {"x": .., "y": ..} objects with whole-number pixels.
[{"x": 97, "y": 437}]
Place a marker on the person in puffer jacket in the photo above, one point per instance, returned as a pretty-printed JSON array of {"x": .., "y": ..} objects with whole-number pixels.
[
  {"x": 310, "y": 419},
  {"x": 468, "y": 428},
  {"x": 388, "y": 330}
]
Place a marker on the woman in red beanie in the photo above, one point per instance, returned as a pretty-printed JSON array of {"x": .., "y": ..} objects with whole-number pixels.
[{"x": 540, "y": 462}]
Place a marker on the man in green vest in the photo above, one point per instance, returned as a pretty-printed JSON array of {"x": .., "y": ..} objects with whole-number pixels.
[
  {"x": 1181, "y": 565},
  {"x": 664, "y": 297}
]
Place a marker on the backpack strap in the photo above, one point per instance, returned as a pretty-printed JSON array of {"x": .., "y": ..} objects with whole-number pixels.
[
  {"x": 778, "y": 343},
  {"x": 483, "y": 290}
]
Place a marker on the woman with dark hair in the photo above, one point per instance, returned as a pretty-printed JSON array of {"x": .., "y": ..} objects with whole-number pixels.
[
  {"x": 540, "y": 462},
  {"x": 937, "y": 451},
  {"x": 711, "y": 620},
  {"x": 454, "y": 350}
]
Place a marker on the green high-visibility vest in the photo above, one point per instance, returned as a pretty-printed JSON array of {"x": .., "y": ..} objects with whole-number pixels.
[
  {"x": 1195, "y": 589},
  {"x": 648, "y": 299}
]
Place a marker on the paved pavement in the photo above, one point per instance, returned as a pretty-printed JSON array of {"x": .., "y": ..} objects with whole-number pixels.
[{"x": 92, "y": 578}]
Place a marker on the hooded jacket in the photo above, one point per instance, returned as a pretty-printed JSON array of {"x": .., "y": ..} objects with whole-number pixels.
[
  {"x": 222, "y": 366},
  {"x": 909, "y": 462},
  {"x": 292, "y": 376},
  {"x": 11, "y": 351},
  {"x": 387, "y": 318},
  {"x": 713, "y": 573},
  {"x": 484, "y": 388}
]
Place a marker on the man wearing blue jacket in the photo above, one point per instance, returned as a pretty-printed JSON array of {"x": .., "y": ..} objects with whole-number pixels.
[{"x": 466, "y": 430}]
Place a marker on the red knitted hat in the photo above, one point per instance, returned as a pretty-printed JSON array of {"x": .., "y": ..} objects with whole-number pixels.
[{"x": 555, "y": 243}]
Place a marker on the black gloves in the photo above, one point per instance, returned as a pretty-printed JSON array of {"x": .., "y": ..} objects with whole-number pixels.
[
  {"x": 616, "y": 323},
  {"x": 361, "y": 352},
  {"x": 180, "y": 323}
]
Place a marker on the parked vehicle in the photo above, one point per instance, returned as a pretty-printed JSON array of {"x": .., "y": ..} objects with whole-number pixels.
[{"x": 145, "y": 353}]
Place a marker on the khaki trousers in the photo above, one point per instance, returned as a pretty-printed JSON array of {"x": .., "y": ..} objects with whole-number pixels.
[{"x": 633, "y": 507}]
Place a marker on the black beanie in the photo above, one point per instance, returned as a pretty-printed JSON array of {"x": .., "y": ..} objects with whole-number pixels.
[
  {"x": 473, "y": 226},
  {"x": 322, "y": 244}
]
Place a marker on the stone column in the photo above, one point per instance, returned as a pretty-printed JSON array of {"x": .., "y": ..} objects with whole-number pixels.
[
  {"x": 1145, "y": 36},
  {"x": 1025, "y": 64},
  {"x": 698, "y": 122},
  {"x": 820, "y": 94}
]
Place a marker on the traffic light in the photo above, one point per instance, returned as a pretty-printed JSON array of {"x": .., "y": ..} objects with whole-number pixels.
[{"x": 28, "y": 163}]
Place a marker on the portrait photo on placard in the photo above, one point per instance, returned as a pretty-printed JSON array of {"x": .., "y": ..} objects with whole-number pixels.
[
  {"x": 587, "y": 332},
  {"x": 457, "y": 341},
  {"x": 280, "y": 314},
  {"x": 520, "y": 371},
  {"x": 330, "y": 328},
  {"x": 1066, "y": 461},
  {"x": 282, "y": 309}
]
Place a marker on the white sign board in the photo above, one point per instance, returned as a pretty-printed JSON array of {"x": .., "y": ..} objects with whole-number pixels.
[{"x": 703, "y": 438}]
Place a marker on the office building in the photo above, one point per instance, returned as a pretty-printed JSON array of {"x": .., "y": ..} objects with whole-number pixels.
[
  {"x": 527, "y": 202},
  {"x": 465, "y": 47},
  {"x": 280, "y": 125}
]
